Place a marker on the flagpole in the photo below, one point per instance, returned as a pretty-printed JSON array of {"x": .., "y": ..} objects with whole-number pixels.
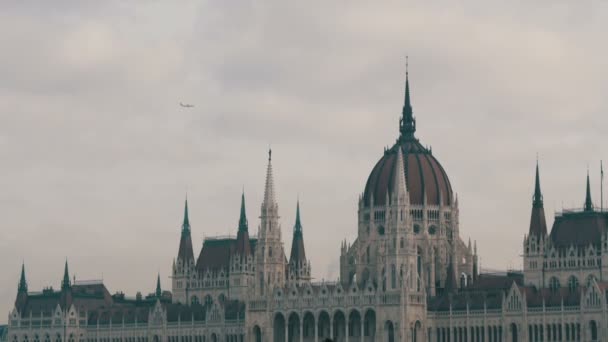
[{"x": 601, "y": 186}]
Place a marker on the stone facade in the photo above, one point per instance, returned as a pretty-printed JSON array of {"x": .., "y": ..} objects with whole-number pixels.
[{"x": 408, "y": 276}]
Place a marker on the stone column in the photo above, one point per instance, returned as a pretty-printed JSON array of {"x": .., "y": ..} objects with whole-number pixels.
[
  {"x": 302, "y": 330},
  {"x": 362, "y": 330},
  {"x": 331, "y": 328}
]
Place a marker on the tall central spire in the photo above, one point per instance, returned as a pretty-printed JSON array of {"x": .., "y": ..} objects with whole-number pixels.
[
  {"x": 407, "y": 124},
  {"x": 588, "y": 202},
  {"x": 269, "y": 198}
]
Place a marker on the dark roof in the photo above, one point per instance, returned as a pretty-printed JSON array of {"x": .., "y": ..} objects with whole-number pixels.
[
  {"x": 423, "y": 174},
  {"x": 535, "y": 297},
  {"x": 93, "y": 298},
  {"x": 579, "y": 228},
  {"x": 216, "y": 252},
  {"x": 476, "y": 300},
  {"x": 488, "y": 281}
]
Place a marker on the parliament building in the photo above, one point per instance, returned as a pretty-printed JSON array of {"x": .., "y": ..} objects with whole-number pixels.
[{"x": 408, "y": 276}]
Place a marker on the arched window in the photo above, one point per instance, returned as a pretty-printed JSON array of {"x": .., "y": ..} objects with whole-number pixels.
[
  {"x": 593, "y": 330},
  {"x": 47, "y": 338},
  {"x": 208, "y": 300},
  {"x": 221, "y": 298},
  {"x": 554, "y": 284},
  {"x": 194, "y": 300},
  {"x": 572, "y": 283},
  {"x": 590, "y": 279},
  {"x": 393, "y": 276},
  {"x": 25, "y": 338}
]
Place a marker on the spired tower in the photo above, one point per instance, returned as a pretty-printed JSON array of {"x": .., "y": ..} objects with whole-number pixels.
[
  {"x": 536, "y": 241},
  {"x": 408, "y": 230},
  {"x": 241, "y": 261},
  {"x": 299, "y": 267},
  {"x": 184, "y": 266},
  {"x": 271, "y": 263}
]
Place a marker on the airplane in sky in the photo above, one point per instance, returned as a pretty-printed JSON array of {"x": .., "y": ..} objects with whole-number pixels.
[{"x": 186, "y": 105}]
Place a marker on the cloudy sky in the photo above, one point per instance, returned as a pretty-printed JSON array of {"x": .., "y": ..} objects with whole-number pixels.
[{"x": 97, "y": 156}]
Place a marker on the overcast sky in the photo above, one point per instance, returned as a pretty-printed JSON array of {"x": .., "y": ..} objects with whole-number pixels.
[{"x": 96, "y": 155}]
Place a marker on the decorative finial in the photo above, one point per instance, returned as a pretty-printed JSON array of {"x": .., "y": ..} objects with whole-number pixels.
[
  {"x": 269, "y": 154},
  {"x": 406, "y": 64}
]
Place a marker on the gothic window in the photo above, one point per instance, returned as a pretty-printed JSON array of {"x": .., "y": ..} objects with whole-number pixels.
[
  {"x": 432, "y": 230},
  {"x": 590, "y": 279},
  {"x": 593, "y": 330},
  {"x": 381, "y": 230},
  {"x": 393, "y": 276},
  {"x": 47, "y": 338},
  {"x": 221, "y": 298},
  {"x": 367, "y": 254},
  {"x": 554, "y": 284},
  {"x": 572, "y": 283},
  {"x": 401, "y": 243},
  {"x": 208, "y": 300},
  {"x": 25, "y": 338},
  {"x": 194, "y": 300},
  {"x": 416, "y": 229}
]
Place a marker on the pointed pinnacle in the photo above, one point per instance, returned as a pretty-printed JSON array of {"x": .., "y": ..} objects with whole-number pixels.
[
  {"x": 65, "y": 284},
  {"x": 186, "y": 223},
  {"x": 588, "y": 202},
  {"x": 538, "y": 196},
  {"x": 243, "y": 224},
  {"x": 298, "y": 225},
  {"x": 22, "y": 281},
  {"x": 158, "y": 289}
]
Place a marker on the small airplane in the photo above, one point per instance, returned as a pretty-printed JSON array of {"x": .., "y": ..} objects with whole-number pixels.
[{"x": 186, "y": 105}]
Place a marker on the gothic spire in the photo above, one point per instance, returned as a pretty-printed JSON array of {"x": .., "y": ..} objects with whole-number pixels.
[
  {"x": 243, "y": 225},
  {"x": 538, "y": 197},
  {"x": 407, "y": 122},
  {"x": 243, "y": 247},
  {"x": 298, "y": 226},
  {"x": 399, "y": 188},
  {"x": 185, "y": 252},
  {"x": 158, "y": 292},
  {"x": 186, "y": 224},
  {"x": 538, "y": 224},
  {"x": 588, "y": 202},
  {"x": 298, "y": 254},
  {"x": 22, "y": 283},
  {"x": 65, "y": 283},
  {"x": 269, "y": 197}
]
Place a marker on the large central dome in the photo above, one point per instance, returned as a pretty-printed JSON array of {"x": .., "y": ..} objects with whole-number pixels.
[{"x": 423, "y": 173}]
